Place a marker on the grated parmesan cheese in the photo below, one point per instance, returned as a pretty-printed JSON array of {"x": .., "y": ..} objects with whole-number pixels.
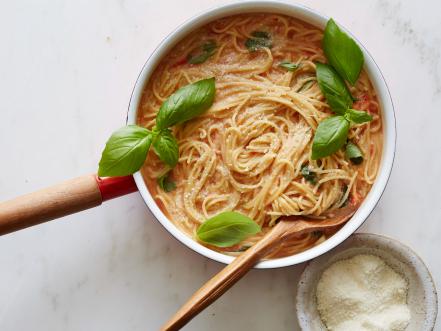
[{"x": 363, "y": 293}]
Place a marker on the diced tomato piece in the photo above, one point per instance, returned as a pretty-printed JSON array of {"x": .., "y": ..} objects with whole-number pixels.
[
  {"x": 354, "y": 198},
  {"x": 373, "y": 109},
  {"x": 307, "y": 53},
  {"x": 362, "y": 102},
  {"x": 180, "y": 62}
]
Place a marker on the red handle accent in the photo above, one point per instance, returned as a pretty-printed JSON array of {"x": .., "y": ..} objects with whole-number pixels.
[{"x": 113, "y": 187}]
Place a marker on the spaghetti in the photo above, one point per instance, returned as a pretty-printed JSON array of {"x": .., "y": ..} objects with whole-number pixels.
[{"x": 246, "y": 153}]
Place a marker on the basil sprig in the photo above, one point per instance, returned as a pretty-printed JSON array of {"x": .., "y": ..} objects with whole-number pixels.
[
  {"x": 330, "y": 136},
  {"x": 334, "y": 88},
  {"x": 342, "y": 52},
  {"x": 346, "y": 62},
  {"x": 227, "y": 229},
  {"x": 127, "y": 148},
  {"x": 353, "y": 153},
  {"x": 125, "y": 151},
  {"x": 187, "y": 102},
  {"x": 207, "y": 50},
  {"x": 258, "y": 40},
  {"x": 332, "y": 133}
]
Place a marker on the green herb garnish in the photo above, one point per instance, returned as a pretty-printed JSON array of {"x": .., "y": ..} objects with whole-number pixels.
[
  {"x": 207, "y": 50},
  {"x": 260, "y": 39},
  {"x": 290, "y": 66},
  {"x": 166, "y": 147},
  {"x": 186, "y": 103},
  {"x": 333, "y": 88},
  {"x": 330, "y": 136},
  {"x": 261, "y": 34},
  {"x": 165, "y": 183},
  {"x": 308, "y": 174},
  {"x": 346, "y": 62},
  {"x": 125, "y": 151},
  {"x": 227, "y": 229},
  {"x": 353, "y": 153},
  {"x": 127, "y": 148},
  {"x": 342, "y": 52},
  {"x": 357, "y": 116}
]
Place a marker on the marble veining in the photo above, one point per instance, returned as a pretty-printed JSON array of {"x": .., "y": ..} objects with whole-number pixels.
[
  {"x": 67, "y": 71},
  {"x": 421, "y": 38}
]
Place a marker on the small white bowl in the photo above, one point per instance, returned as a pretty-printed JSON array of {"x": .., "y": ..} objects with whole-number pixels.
[
  {"x": 422, "y": 296},
  {"x": 316, "y": 19}
]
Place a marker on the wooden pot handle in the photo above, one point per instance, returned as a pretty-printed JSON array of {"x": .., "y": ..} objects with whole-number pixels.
[
  {"x": 227, "y": 277},
  {"x": 60, "y": 200}
]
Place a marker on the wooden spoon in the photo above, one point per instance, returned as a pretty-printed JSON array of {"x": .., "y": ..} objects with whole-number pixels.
[{"x": 286, "y": 228}]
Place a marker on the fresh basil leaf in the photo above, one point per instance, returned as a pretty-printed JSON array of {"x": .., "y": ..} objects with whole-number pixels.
[
  {"x": 125, "y": 151},
  {"x": 289, "y": 65},
  {"x": 209, "y": 46},
  {"x": 186, "y": 103},
  {"x": 358, "y": 116},
  {"x": 330, "y": 136},
  {"x": 261, "y": 34},
  {"x": 342, "y": 52},
  {"x": 166, "y": 147},
  {"x": 309, "y": 175},
  {"x": 227, "y": 229},
  {"x": 260, "y": 39},
  {"x": 334, "y": 88},
  {"x": 207, "y": 50},
  {"x": 353, "y": 153},
  {"x": 165, "y": 183}
]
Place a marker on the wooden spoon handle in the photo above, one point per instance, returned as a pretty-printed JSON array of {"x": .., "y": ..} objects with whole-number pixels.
[
  {"x": 60, "y": 200},
  {"x": 226, "y": 278}
]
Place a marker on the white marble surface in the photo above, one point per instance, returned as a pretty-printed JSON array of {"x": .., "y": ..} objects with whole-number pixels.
[{"x": 67, "y": 69}]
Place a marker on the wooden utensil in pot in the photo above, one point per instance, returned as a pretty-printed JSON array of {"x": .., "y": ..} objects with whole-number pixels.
[{"x": 286, "y": 228}]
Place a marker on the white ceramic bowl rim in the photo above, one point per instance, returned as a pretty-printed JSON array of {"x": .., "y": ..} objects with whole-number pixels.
[{"x": 377, "y": 80}]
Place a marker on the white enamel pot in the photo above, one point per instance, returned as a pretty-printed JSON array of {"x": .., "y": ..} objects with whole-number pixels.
[{"x": 378, "y": 82}]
